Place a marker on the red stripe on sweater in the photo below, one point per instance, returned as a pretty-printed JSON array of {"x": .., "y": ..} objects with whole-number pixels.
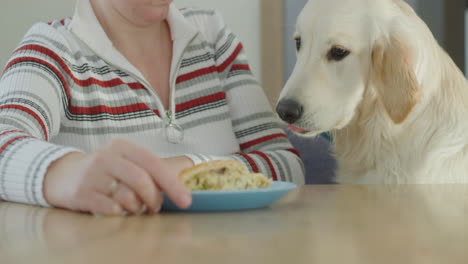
[
  {"x": 268, "y": 161},
  {"x": 101, "y": 109},
  {"x": 250, "y": 160},
  {"x": 231, "y": 58},
  {"x": 9, "y": 142},
  {"x": 295, "y": 151},
  {"x": 200, "y": 101},
  {"x": 211, "y": 69},
  {"x": 257, "y": 141},
  {"x": 31, "y": 113},
  {"x": 195, "y": 74},
  {"x": 84, "y": 83},
  {"x": 136, "y": 86},
  {"x": 10, "y": 131},
  {"x": 46, "y": 64},
  {"x": 105, "y": 84},
  {"x": 75, "y": 109},
  {"x": 237, "y": 67}
]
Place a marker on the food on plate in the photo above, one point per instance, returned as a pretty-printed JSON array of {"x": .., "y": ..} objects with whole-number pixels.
[{"x": 222, "y": 175}]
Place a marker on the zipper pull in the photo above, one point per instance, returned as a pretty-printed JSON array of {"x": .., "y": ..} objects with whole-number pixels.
[{"x": 174, "y": 132}]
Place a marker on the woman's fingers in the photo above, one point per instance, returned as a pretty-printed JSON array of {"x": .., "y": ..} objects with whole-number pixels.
[
  {"x": 117, "y": 178},
  {"x": 100, "y": 204},
  {"x": 168, "y": 180},
  {"x": 136, "y": 179},
  {"x": 128, "y": 200},
  {"x": 165, "y": 177},
  {"x": 159, "y": 199}
]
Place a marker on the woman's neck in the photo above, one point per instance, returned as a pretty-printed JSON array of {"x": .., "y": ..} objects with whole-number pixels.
[{"x": 138, "y": 43}]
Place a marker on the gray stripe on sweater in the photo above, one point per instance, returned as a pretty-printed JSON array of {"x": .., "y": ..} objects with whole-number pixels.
[
  {"x": 205, "y": 121},
  {"x": 267, "y": 171},
  {"x": 85, "y": 90},
  {"x": 34, "y": 71},
  {"x": 34, "y": 65},
  {"x": 18, "y": 124},
  {"x": 204, "y": 58},
  {"x": 32, "y": 106},
  {"x": 33, "y": 39},
  {"x": 259, "y": 147},
  {"x": 237, "y": 84},
  {"x": 198, "y": 13},
  {"x": 256, "y": 129},
  {"x": 252, "y": 117},
  {"x": 98, "y": 131},
  {"x": 7, "y": 155},
  {"x": 225, "y": 47},
  {"x": 221, "y": 35},
  {"x": 77, "y": 56},
  {"x": 117, "y": 102},
  {"x": 23, "y": 116},
  {"x": 197, "y": 94},
  {"x": 24, "y": 94},
  {"x": 284, "y": 161},
  {"x": 245, "y": 161},
  {"x": 47, "y": 153},
  {"x": 94, "y": 58},
  {"x": 110, "y": 90},
  {"x": 280, "y": 172},
  {"x": 198, "y": 81},
  {"x": 201, "y": 157},
  {"x": 201, "y": 46}
]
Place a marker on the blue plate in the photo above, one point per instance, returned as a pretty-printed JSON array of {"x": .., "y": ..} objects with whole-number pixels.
[{"x": 209, "y": 201}]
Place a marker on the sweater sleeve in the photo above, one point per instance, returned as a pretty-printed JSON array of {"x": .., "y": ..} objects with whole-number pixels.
[
  {"x": 264, "y": 145},
  {"x": 33, "y": 95}
]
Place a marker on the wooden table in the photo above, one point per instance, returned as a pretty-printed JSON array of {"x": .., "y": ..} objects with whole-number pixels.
[{"x": 314, "y": 224}]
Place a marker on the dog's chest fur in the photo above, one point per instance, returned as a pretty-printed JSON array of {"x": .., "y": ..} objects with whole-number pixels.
[{"x": 432, "y": 149}]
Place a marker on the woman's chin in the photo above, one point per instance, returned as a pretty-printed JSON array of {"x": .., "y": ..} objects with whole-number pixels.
[{"x": 152, "y": 15}]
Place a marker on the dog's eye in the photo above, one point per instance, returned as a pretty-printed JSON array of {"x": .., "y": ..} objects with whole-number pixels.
[
  {"x": 298, "y": 43},
  {"x": 337, "y": 54}
]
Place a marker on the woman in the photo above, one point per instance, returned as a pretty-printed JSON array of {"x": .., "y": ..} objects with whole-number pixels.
[{"x": 99, "y": 113}]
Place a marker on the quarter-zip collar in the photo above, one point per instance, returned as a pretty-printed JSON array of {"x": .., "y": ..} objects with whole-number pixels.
[{"x": 86, "y": 26}]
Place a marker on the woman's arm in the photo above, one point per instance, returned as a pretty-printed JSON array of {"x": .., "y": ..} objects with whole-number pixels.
[
  {"x": 34, "y": 97},
  {"x": 264, "y": 146}
]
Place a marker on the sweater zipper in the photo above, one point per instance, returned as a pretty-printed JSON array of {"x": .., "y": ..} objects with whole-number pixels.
[{"x": 174, "y": 133}]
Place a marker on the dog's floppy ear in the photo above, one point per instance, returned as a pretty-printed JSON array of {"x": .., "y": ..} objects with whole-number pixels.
[{"x": 394, "y": 78}]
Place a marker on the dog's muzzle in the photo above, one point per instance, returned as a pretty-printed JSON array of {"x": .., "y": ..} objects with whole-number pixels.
[{"x": 289, "y": 110}]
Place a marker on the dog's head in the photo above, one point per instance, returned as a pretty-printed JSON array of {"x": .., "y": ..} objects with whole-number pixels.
[{"x": 345, "y": 48}]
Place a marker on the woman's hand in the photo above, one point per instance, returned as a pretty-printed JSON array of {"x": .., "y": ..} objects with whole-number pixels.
[
  {"x": 120, "y": 178},
  {"x": 178, "y": 164}
]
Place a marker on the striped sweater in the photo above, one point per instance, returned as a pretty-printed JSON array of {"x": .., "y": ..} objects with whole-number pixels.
[{"x": 66, "y": 88}]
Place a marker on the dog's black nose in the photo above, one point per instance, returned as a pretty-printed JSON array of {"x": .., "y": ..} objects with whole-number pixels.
[{"x": 289, "y": 110}]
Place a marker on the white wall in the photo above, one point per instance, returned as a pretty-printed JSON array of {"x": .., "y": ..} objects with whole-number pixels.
[
  {"x": 17, "y": 16},
  {"x": 243, "y": 18}
]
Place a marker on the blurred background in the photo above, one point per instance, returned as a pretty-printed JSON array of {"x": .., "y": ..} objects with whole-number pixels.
[{"x": 266, "y": 28}]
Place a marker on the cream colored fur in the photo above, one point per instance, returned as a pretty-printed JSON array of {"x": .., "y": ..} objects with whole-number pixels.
[{"x": 397, "y": 105}]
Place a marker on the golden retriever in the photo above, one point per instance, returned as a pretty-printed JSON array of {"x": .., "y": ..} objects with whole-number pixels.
[{"x": 371, "y": 72}]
